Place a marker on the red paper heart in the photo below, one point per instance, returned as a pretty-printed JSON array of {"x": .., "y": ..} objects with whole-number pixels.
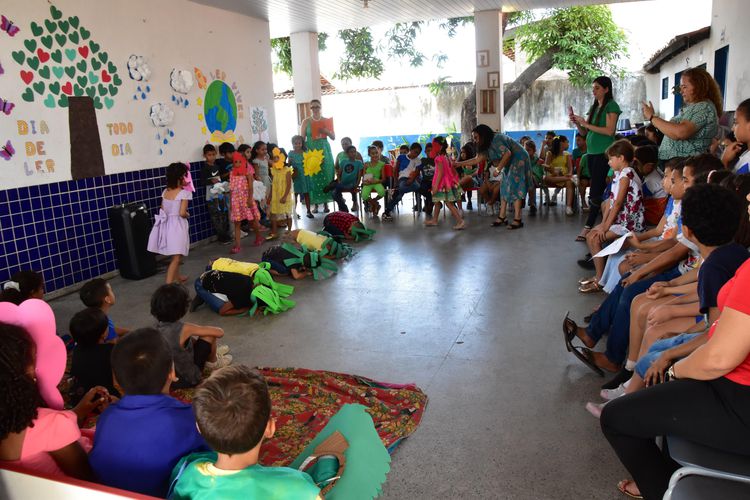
[
  {"x": 68, "y": 88},
  {"x": 105, "y": 76},
  {"x": 43, "y": 56},
  {"x": 84, "y": 51},
  {"x": 27, "y": 76}
]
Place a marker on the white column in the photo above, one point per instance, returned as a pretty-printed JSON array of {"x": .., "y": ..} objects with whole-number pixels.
[
  {"x": 305, "y": 70},
  {"x": 489, "y": 79}
]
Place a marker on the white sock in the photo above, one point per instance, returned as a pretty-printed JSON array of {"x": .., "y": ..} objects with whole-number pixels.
[{"x": 630, "y": 365}]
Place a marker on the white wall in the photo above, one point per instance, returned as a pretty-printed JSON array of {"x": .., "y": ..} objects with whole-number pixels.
[
  {"x": 170, "y": 34},
  {"x": 694, "y": 56}
]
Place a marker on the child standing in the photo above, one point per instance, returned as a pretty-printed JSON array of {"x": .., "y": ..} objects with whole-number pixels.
[
  {"x": 169, "y": 304},
  {"x": 625, "y": 207},
  {"x": 282, "y": 196},
  {"x": 243, "y": 204},
  {"x": 301, "y": 181},
  {"x": 233, "y": 413},
  {"x": 537, "y": 176},
  {"x": 373, "y": 180},
  {"x": 212, "y": 173},
  {"x": 170, "y": 235},
  {"x": 445, "y": 184}
]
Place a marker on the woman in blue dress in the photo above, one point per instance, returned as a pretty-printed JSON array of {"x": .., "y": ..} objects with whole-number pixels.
[{"x": 513, "y": 160}]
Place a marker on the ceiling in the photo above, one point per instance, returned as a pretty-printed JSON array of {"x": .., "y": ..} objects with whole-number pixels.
[{"x": 292, "y": 16}]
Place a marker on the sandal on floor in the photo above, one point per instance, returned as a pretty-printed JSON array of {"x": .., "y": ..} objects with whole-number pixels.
[
  {"x": 587, "y": 358},
  {"x": 582, "y": 235},
  {"x": 623, "y": 487},
  {"x": 500, "y": 221},
  {"x": 461, "y": 225},
  {"x": 517, "y": 224},
  {"x": 591, "y": 287},
  {"x": 569, "y": 331},
  {"x": 586, "y": 281}
]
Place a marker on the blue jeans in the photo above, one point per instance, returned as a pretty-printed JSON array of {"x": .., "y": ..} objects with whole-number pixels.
[
  {"x": 339, "y": 198},
  {"x": 613, "y": 315},
  {"x": 214, "y": 302},
  {"x": 404, "y": 186},
  {"x": 657, "y": 348}
]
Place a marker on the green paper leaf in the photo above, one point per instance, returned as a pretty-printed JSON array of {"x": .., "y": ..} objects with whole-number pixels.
[
  {"x": 36, "y": 30},
  {"x": 39, "y": 87},
  {"x": 111, "y": 67},
  {"x": 93, "y": 78},
  {"x": 50, "y": 101},
  {"x": 51, "y": 25},
  {"x": 28, "y": 95},
  {"x": 33, "y": 62},
  {"x": 70, "y": 71},
  {"x": 82, "y": 65},
  {"x": 113, "y": 90},
  {"x": 54, "y": 87},
  {"x": 47, "y": 41},
  {"x": 103, "y": 56},
  {"x": 70, "y": 54},
  {"x": 30, "y": 45},
  {"x": 44, "y": 72},
  {"x": 74, "y": 21},
  {"x": 95, "y": 64},
  {"x": 102, "y": 89},
  {"x": 85, "y": 34},
  {"x": 91, "y": 91},
  {"x": 61, "y": 39},
  {"x": 82, "y": 80},
  {"x": 77, "y": 91},
  {"x": 107, "y": 102},
  {"x": 94, "y": 47},
  {"x": 64, "y": 25},
  {"x": 56, "y": 13},
  {"x": 116, "y": 80},
  {"x": 63, "y": 101},
  {"x": 58, "y": 71},
  {"x": 18, "y": 56},
  {"x": 56, "y": 56},
  {"x": 73, "y": 37},
  {"x": 97, "y": 102}
]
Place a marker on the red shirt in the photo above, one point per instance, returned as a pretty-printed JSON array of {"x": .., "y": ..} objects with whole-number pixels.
[{"x": 736, "y": 294}]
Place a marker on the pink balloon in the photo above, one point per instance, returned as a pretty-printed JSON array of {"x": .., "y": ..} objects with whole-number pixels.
[{"x": 37, "y": 318}]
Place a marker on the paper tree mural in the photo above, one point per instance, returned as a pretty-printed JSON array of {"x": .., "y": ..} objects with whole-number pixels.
[
  {"x": 62, "y": 61},
  {"x": 259, "y": 123}
]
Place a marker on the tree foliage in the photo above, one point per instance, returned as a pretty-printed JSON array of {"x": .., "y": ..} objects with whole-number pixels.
[
  {"x": 360, "y": 59},
  {"x": 585, "y": 40},
  {"x": 399, "y": 42},
  {"x": 282, "y": 47}
]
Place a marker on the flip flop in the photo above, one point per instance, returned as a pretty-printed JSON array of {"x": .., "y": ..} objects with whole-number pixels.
[
  {"x": 591, "y": 287},
  {"x": 569, "y": 331},
  {"x": 586, "y": 356},
  {"x": 586, "y": 281},
  {"x": 623, "y": 487}
]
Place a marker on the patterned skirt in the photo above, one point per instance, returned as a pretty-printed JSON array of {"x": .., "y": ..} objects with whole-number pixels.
[{"x": 448, "y": 194}]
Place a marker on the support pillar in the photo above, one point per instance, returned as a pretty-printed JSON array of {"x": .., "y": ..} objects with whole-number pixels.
[
  {"x": 489, "y": 77},
  {"x": 306, "y": 71}
]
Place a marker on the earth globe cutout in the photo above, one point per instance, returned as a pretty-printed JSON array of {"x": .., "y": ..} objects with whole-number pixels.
[{"x": 220, "y": 112}]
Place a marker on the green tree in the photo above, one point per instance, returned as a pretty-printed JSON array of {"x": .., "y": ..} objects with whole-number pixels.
[
  {"x": 360, "y": 58},
  {"x": 282, "y": 47}
]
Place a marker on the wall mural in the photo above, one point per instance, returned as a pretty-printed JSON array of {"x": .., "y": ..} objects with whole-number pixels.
[{"x": 222, "y": 107}]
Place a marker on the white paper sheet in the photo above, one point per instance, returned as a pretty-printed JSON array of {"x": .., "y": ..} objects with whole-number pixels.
[{"x": 615, "y": 246}]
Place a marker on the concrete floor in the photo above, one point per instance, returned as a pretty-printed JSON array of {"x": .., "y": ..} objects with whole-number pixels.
[{"x": 474, "y": 319}]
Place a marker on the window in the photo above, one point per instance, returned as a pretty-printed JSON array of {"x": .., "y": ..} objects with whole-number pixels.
[
  {"x": 665, "y": 87},
  {"x": 721, "y": 59}
]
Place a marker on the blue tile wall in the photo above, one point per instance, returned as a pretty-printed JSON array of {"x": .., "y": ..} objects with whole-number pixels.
[{"x": 62, "y": 229}]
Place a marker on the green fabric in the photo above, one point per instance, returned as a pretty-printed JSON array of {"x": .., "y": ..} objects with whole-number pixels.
[
  {"x": 321, "y": 268},
  {"x": 263, "y": 277},
  {"x": 367, "y": 460},
  {"x": 275, "y": 304},
  {"x": 362, "y": 233},
  {"x": 703, "y": 116},
  {"x": 585, "y": 166},
  {"x": 598, "y": 143},
  {"x": 197, "y": 480},
  {"x": 325, "y": 176},
  {"x": 375, "y": 170}
]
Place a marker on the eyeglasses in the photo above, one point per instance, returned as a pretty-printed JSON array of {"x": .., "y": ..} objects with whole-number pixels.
[{"x": 314, "y": 107}]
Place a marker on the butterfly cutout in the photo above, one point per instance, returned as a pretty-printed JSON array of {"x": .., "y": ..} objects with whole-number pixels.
[
  {"x": 8, "y": 26},
  {"x": 6, "y": 106},
  {"x": 7, "y": 151}
]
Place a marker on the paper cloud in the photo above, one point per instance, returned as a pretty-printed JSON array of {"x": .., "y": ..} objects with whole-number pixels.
[
  {"x": 181, "y": 80},
  {"x": 161, "y": 115},
  {"x": 138, "y": 68}
]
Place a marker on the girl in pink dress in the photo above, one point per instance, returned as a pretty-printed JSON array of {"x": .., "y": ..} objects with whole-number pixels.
[
  {"x": 170, "y": 234},
  {"x": 243, "y": 204},
  {"x": 445, "y": 184},
  {"x": 33, "y": 437}
]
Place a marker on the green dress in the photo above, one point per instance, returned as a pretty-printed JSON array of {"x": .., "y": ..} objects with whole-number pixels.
[
  {"x": 325, "y": 176},
  {"x": 301, "y": 181}
]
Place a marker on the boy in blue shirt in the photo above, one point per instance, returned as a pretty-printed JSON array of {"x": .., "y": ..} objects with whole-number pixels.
[
  {"x": 233, "y": 410},
  {"x": 140, "y": 438},
  {"x": 98, "y": 293},
  {"x": 348, "y": 175}
]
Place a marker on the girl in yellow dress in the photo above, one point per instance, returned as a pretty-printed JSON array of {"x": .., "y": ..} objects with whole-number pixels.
[{"x": 282, "y": 195}]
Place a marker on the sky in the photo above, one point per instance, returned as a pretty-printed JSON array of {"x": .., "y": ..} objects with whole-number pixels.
[{"x": 637, "y": 19}]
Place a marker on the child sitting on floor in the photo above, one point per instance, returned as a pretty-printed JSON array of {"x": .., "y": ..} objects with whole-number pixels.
[
  {"x": 233, "y": 411},
  {"x": 142, "y": 436},
  {"x": 23, "y": 285},
  {"x": 98, "y": 293},
  {"x": 169, "y": 304},
  {"x": 91, "y": 356}
]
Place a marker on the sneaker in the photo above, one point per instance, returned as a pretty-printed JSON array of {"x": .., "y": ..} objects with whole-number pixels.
[
  {"x": 243, "y": 234},
  {"x": 387, "y": 217},
  {"x": 596, "y": 409},
  {"x": 222, "y": 350},
  {"x": 622, "y": 376},
  {"x": 610, "y": 394},
  {"x": 221, "y": 362},
  {"x": 568, "y": 211},
  {"x": 225, "y": 242},
  {"x": 196, "y": 303}
]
